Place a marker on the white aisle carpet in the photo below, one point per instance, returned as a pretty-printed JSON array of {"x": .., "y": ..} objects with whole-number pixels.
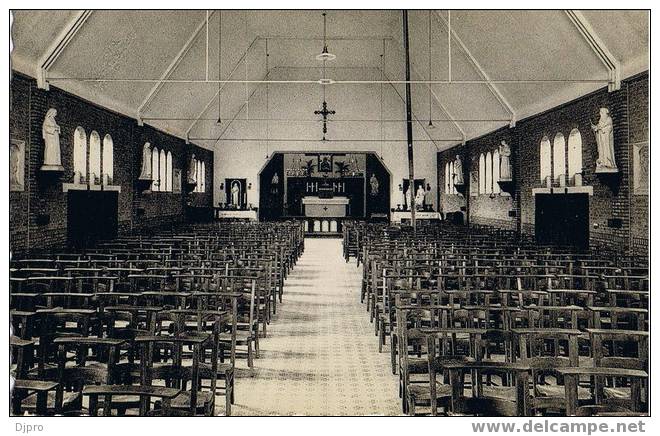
[{"x": 321, "y": 356}]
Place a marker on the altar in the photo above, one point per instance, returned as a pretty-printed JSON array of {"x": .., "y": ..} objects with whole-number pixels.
[
  {"x": 227, "y": 214},
  {"x": 317, "y": 207},
  {"x": 405, "y": 216}
]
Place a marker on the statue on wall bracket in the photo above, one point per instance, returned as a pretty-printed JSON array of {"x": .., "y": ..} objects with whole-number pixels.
[
  {"x": 604, "y": 132},
  {"x": 374, "y": 184},
  {"x": 505, "y": 161},
  {"x": 50, "y": 131},
  {"x": 145, "y": 174},
  {"x": 458, "y": 171},
  {"x": 192, "y": 176}
]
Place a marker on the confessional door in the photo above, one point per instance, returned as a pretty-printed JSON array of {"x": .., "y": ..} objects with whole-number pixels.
[
  {"x": 562, "y": 219},
  {"x": 91, "y": 216}
]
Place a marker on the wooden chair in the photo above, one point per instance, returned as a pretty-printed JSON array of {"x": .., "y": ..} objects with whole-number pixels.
[
  {"x": 485, "y": 399},
  {"x": 620, "y": 349},
  {"x": 545, "y": 351}
]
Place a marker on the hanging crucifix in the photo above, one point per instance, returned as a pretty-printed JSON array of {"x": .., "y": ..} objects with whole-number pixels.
[{"x": 324, "y": 112}]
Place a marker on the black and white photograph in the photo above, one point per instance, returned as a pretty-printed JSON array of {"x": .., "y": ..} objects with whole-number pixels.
[{"x": 329, "y": 212}]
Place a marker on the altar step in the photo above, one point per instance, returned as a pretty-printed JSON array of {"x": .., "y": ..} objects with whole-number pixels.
[
  {"x": 323, "y": 226},
  {"x": 323, "y": 235}
]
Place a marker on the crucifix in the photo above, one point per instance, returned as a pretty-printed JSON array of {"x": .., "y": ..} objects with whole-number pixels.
[{"x": 324, "y": 112}]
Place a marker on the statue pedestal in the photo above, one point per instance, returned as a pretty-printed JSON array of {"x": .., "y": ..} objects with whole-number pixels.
[
  {"x": 52, "y": 168},
  {"x": 460, "y": 188},
  {"x": 143, "y": 185},
  {"x": 507, "y": 186},
  {"x": 189, "y": 186},
  {"x": 606, "y": 170}
]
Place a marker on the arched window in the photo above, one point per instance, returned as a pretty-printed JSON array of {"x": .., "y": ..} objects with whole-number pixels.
[
  {"x": 447, "y": 178},
  {"x": 482, "y": 174},
  {"x": 155, "y": 156},
  {"x": 489, "y": 173},
  {"x": 545, "y": 152},
  {"x": 162, "y": 176},
  {"x": 195, "y": 166},
  {"x": 200, "y": 182},
  {"x": 168, "y": 179},
  {"x": 199, "y": 176},
  {"x": 574, "y": 153},
  {"x": 203, "y": 177},
  {"x": 496, "y": 171},
  {"x": 94, "y": 158},
  {"x": 108, "y": 156},
  {"x": 79, "y": 155},
  {"x": 559, "y": 156},
  {"x": 451, "y": 178}
]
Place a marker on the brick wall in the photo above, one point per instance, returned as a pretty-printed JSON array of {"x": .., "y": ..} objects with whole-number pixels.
[
  {"x": 638, "y": 121},
  {"x": 38, "y": 216},
  {"x": 612, "y": 196}
]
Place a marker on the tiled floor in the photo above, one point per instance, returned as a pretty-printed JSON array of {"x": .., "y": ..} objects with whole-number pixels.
[{"x": 321, "y": 356}]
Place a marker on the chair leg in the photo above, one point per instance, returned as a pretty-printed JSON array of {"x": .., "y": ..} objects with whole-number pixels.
[
  {"x": 228, "y": 397},
  {"x": 249, "y": 353},
  {"x": 393, "y": 345},
  {"x": 381, "y": 336},
  {"x": 256, "y": 347},
  {"x": 411, "y": 406}
]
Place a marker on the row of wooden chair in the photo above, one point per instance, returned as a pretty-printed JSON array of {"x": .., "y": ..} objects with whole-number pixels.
[
  {"x": 482, "y": 324},
  {"x": 147, "y": 325}
]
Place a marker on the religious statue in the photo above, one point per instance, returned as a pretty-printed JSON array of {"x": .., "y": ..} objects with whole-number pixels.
[
  {"x": 604, "y": 132},
  {"x": 145, "y": 174},
  {"x": 420, "y": 197},
  {"x": 505, "y": 161},
  {"x": 236, "y": 194},
  {"x": 274, "y": 187},
  {"x": 16, "y": 165},
  {"x": 373, "y": 182},
  {"x": 325, "y": 164},
  {"x": 409, "y": 197},
  {"x": 192, "y": 176},
  {"x": 50, "y": 131},
  {"x": 458, "y": 171}
]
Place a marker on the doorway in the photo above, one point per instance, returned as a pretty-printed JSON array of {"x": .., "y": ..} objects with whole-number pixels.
[
  {"x": 562, "y": 219},
  {"x": 91, "y": 217}
]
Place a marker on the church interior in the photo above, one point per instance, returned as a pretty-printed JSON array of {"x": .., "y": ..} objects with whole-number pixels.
[{"x": 329, "y": 212}]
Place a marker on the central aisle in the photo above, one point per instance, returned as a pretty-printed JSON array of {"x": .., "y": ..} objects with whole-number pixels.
[{"x": 321, "y": 356}]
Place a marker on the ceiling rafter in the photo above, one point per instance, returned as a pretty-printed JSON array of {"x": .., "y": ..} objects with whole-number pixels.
[
  {"x": 217, "y": 93},
  {"x": 172, "y": 67},
  {"x": 484, "y": 75},
  {"x": 599, "y": 48},
  {"x": 58, "y": 46},
  {"x": 443, "y": 108},
  {"x": 239, "y": 110},
  {"x": 417, "y": 119}
]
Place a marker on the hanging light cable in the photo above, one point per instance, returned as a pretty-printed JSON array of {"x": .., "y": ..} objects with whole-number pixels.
[
  {"x": 325, "y": 55},
  {"x": 247, "y": 90},
  {"x": 430, "y": 126},
  {"x": 219, "y": 63},
  {"x": 267, "y": 106},
  {"x": 382, "y": 75}
]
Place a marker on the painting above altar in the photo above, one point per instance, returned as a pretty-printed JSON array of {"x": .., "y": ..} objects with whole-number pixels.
[{"x": 329, "y": 165}]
